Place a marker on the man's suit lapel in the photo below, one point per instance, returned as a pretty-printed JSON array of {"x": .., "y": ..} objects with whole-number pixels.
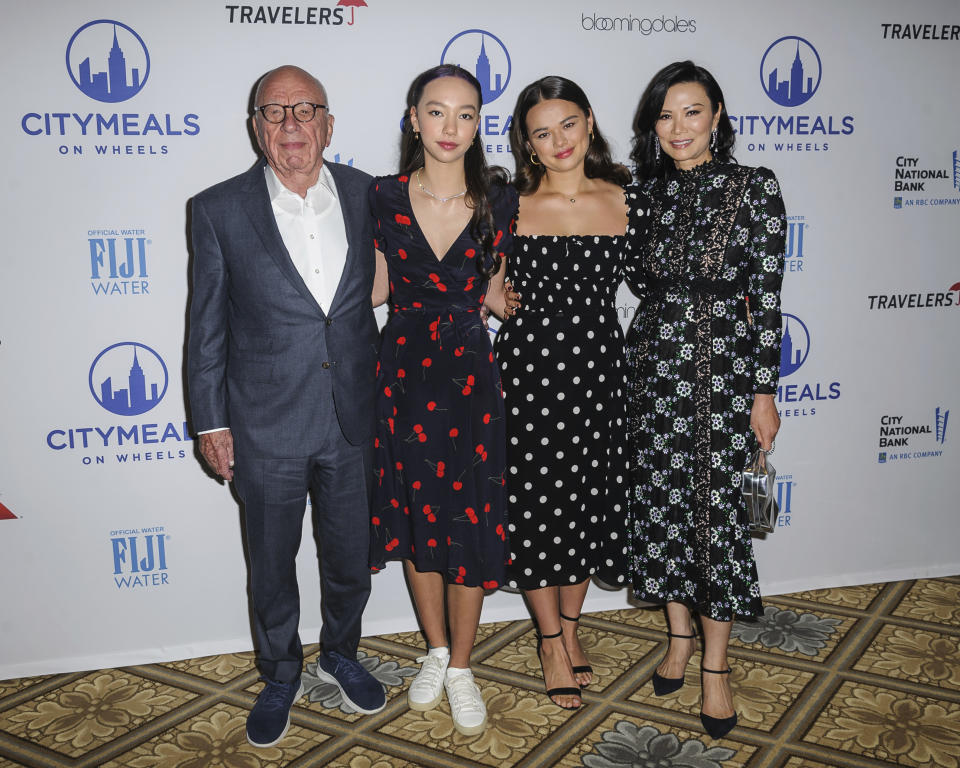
[
  {"x": 353, "y": 206},
  {"x": 260, "y": 213}
]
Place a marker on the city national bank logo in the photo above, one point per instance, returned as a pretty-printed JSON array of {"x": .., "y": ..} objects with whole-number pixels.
[
  {"x": 928, "y": 183},
  {"x": 118, "y": 262},
  {"x": 127, "y": 379},
  {"x": 108, "y": 62},
  {"x": 123, "y": 364},
  {"x": 139, "y": 557},
  {"x": 791, "y": 73},
  {"x": 108, "y": 69},
  {"x": 799, "y": 398},
  {"x": 485, "y": 54},
  {"x": 915, "y": 438},
  {"x": 6, "y": 514}
]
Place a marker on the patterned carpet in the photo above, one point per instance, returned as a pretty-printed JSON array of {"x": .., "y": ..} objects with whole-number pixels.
[{"x": 860, "y": 676}]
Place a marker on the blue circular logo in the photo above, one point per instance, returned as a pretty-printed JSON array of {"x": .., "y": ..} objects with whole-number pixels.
[
  {"x": 795, "y": 345},
  {"x": 108, "y": 61},
  {"x": 484, "y": 54},
  {"x": 790, "y": 71},
  {"x": 128, "y": 378}
]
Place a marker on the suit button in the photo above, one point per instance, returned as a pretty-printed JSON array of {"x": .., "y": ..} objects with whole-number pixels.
[
  {"x": 326, "y": 364},
  {"x": 329, "y": 321}
]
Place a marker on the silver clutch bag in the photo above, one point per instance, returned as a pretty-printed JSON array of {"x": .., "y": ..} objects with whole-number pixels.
[{"x": 758, "y": 483}]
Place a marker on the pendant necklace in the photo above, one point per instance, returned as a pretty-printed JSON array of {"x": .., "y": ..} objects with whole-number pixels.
[{"x": 437, "y": 197}]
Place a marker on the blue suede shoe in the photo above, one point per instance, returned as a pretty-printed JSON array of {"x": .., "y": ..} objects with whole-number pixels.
[
  {"x": 359, "y": 688},
  {"x": 269, "y": 719}
]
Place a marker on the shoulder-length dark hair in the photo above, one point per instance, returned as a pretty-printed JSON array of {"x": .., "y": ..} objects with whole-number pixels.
[
  {"x": 648, "y": 112},
  {"x": 596, "y": 165},
  {"x": 479, "y": 176}
]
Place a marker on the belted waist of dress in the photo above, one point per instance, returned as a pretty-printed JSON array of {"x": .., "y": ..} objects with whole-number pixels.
[
  {"x": 454, "y": 309},
  {"x": 447, "y": 325},
  {"x": 704, "y": 286}
]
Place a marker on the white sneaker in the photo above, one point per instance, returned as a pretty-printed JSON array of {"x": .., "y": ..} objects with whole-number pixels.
[
  {"x": 426, "y": 690},
  {"x": 466, "y": 704}
]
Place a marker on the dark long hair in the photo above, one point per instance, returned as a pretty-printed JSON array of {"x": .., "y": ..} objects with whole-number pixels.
[
  {"x": 648, "y": 112},
  {"x": 479, "y": 176},
  {"x": 596, "y": 165}
]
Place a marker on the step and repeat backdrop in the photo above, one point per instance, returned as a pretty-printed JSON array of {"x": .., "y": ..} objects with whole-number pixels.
[{"x": 117, "y": 548}]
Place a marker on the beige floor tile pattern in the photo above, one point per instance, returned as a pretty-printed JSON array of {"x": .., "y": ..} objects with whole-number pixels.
[{"x": 851, "y": 677}]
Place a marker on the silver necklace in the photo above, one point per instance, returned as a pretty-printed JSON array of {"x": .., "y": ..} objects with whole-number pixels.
[{"x": 437, "y": 197}]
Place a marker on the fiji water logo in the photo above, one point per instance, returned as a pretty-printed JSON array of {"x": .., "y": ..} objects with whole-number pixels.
[
  {"x": 941, "y": 417},
  {"x": 785, "y": 486},
  {"x": 790, "y": 71},
  {"x": 128, "y": 378},
  {"x": 108, "y": 60},
  {"x": 139, "y": 557},
  {"x": 484, "y": 54},
  {"x": 795, "y": 345},
  {"x": 5, "y": 513},
  {"x": 118, "y": 261}
]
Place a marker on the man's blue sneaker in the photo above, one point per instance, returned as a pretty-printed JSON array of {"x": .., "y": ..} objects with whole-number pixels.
[
  {"x": 269, "y": 719},
  {"x": 359, "y": 688}
]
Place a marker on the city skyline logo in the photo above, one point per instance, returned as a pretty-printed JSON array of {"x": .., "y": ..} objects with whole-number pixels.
[
  {"x": 5, "y": 513},
  {"x": 128, "y": 378},
  {"x": 795, "y": 345},
  {"x": 790, "y": 71},
  {"x": 108, "y": 61},
  {"x": 940, "y": 425},
  {"x": 484, "y": 54}
]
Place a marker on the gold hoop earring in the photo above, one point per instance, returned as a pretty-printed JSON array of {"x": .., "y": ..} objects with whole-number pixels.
[
  {"x": 533, "y": 158},
  {"x": 591, "y": 137},
  {"x": 416, "y": 135}
]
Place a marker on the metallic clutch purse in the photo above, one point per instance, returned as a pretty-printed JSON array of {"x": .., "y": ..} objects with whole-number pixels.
[{"x": 758, "y": 483}]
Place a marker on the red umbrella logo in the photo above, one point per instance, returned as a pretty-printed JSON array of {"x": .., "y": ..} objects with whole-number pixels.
[
  {"x": 351, "y": 4},
  {"x": 956, "y": 287},
  {"x": 6, "y": 514}
]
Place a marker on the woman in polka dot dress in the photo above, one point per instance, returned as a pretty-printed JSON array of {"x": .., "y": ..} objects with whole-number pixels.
[
  {"x": 703, "y": 368},
  {"x": 443, "y": 230},
  {"x": 561, "y": 360}
]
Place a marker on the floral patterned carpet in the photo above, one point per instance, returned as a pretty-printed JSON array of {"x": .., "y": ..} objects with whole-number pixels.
[{"x": 859, "y": 676}]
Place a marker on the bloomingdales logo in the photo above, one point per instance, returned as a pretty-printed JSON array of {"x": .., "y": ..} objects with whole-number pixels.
[{"x": 631, "y": 23}]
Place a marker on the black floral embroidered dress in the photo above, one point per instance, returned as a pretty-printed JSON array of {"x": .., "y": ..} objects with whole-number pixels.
[
  {"x": 694, "y": 362},
  {"x": 439, "y": 497}
]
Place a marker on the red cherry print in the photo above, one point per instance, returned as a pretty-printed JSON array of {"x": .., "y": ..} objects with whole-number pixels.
[
  {"x": 394, "y": 503},
  {"x": 490, "y": 585},
  {"x": 427, "y": 362},
  {"x": 461, "y": 571},
  {"x": 402, "y": 179},
  {"x": 490, "y": 358},
  {"x": 469, "y": 285},
  {"x": 448, "y": 541},
  {"x": 422, "y": 437},
  {"x": 406, "y": 511},
  {"x": 459, "y": 580},
  {"x": 496, "y": 240},
  {"x": 402, "y": 253},
  {"x": 375, "y": 520},
  {"x": 483, "y": 455},
  {"x": 441, "y": 287},
  {"x": 404, "y": 220},
  {"x": 418, "y": 305},
  {"x": 431, "y": 542},
  {"x": 392, "y": 288},
  {"x": 401, "y": 340},
  {"x": 416, "y": 485},
  {"x": 466, "y": 390},
  {"x": 486, "y": 507},
  {"x": 431, "y": 518},
  {"x": 399, "y": 466},
  {"x": 440, "y": 468},
  {"x": 378, "y": 367},
  {"x": 458, "y": 352},
  {"x": 486, "y": 418},
  {"x": 470, "y": 253},
  {"x": 418, "y": 428},
  {"x": 470, "y": 380},
  {"x": 376, "y": 442},
  {"x": 479, "y": 448},
  {"x": 426, "y": 509},
  {"x": 434, "y": 277},
  {"x": 457, "y": 485},
  {"x": 387, "y": 392},
  {"x": 472, "y": 515},
  {"x": 454, "y": 432},
  {"x": 390, "y": 424},
  {"x": 431, "y": 405},
  {"x": 394, "y": 543},
  {"x": 401, "y": 373},
  {"x": 405, "y": 278}
]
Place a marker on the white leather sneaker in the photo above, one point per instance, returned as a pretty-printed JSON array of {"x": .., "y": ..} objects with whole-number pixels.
[
  {"x": 466, "y": 704},
  {"x": 426, "y": 690}
]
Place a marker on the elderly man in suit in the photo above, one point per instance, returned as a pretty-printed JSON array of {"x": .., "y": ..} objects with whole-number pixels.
[{"x": 281, "y": 366}]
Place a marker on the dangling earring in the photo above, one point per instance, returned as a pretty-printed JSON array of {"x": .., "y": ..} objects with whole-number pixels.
[
  {"x": 713, "y": 139},
  {"x": 591, "y": 137},
  {"x": 416, "y": 135},
  {"x": 656, "y": 150},
  {"x": 533, "y": 158}
]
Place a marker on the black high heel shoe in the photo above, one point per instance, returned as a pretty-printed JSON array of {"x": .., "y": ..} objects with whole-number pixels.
[
  {"x": 717, "y": 727},
  {"x": 580, "y": 668},
  {"x": 664, "y": 685},
  {"x": 563, "y": 691}
]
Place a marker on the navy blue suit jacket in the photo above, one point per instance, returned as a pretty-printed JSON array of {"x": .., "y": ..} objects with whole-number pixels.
[{"x": 262, "y": 355}]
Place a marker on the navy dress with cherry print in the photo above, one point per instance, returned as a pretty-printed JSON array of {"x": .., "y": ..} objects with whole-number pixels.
[{"x": 439, "y": 497}]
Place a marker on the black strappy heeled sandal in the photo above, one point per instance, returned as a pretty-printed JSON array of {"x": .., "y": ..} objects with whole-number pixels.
[
  {"x": 717, "y": 727},
  {"x": 665, "y": 685},
  {"x": 563, "y": 691},
  {"x": 580, "y": 668}
]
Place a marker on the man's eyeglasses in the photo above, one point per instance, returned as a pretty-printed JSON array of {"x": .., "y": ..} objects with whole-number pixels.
[{"x": 303, "y": 112}]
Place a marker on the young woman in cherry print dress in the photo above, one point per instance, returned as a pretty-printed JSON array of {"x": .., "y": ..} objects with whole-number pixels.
[{"x": 443, "y": 228}]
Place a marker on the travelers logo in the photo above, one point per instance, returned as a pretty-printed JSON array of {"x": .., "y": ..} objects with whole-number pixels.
[
  {"x": 795, "y": 345},
  {"x": 484, "y": 54},
  {"x": 108, "y": 61},
  {"x": 128, "y": 378},
  {"x": 790, "y": 71},
  {"x": 6, "y": 514}
]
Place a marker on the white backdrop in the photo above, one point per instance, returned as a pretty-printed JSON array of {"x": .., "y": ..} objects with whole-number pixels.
[{"x": 116, "y": 548}]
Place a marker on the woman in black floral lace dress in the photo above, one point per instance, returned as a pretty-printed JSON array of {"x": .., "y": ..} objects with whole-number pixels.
[{"x": 703, "y": 360}]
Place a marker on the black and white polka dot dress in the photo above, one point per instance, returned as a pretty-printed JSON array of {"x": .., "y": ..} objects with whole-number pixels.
[{"x": 563, "y": 372}]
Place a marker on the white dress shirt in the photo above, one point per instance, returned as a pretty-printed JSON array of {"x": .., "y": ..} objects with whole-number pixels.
[{"x": 313, "y": 231}]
